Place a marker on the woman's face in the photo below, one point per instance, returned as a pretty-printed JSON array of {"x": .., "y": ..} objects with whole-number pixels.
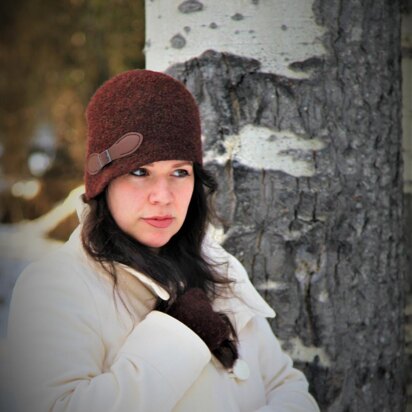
[{"x": 150, "y": 204}]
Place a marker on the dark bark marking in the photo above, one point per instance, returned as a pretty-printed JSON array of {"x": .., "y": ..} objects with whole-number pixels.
[
  {"x": 307, "y": 65},
  {"x": 178, "y": 41},
  {"x": 237, "y": 17},
  {"x": 190, "y": 6}
]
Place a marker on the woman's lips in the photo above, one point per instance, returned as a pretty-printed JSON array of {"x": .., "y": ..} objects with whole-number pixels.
[{"x": 160, "y": 222}]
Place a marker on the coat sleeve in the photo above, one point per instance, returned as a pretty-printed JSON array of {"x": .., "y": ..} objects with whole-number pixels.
[
  {"x": 57, "y": 354},
  {"x": 286, "y": 387}
]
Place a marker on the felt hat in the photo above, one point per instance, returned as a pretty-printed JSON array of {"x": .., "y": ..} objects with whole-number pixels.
[{"x": 136, "y": 118}]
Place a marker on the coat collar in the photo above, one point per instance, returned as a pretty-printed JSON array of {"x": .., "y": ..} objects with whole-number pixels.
[{"x": 242, "y": 301}]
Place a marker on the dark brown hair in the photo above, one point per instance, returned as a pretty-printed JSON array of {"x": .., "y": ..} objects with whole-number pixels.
[{"x": 177, "y": 266}]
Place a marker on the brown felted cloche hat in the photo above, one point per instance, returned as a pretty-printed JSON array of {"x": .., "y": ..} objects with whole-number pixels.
[{"x": 135, "y": 118}]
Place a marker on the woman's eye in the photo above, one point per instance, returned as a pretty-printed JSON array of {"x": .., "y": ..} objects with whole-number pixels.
[
  {"x": 181, "y": 173},
  {"x": 139, "y": 172}
]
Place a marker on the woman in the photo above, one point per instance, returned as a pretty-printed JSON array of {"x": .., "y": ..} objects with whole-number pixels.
[{"x": 139, "y": 310}]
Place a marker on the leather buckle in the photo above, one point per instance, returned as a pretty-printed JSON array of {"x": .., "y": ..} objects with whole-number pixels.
[
  {"x": 104, "y": 158},
  {"x": 124, "y": 146}
]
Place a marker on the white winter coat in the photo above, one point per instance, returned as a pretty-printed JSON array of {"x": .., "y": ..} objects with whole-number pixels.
[{"x": 75, "y": 348}]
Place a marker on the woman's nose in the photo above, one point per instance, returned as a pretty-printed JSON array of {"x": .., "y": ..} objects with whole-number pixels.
[{"x": 160, "y": 192}]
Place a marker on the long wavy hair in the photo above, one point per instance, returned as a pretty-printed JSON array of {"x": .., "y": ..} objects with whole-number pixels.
[{"x": 178, "y": 265}]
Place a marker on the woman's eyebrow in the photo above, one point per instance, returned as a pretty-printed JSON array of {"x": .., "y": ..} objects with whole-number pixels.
[
  {"x": 177, "y": 164},
  {"x": 186, "y": 163}
]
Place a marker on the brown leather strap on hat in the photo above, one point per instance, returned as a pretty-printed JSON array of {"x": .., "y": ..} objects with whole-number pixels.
[{"x": 124, "y": 146}]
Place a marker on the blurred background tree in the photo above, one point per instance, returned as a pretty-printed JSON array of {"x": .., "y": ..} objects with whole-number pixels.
[{"x": 53, "y": 56}]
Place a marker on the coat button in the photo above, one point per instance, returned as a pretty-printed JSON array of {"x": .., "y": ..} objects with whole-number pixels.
[{"x": 241, "y": 370}]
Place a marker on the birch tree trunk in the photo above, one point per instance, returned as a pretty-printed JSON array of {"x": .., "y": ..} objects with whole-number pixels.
[{"x": 301, "y": 108}]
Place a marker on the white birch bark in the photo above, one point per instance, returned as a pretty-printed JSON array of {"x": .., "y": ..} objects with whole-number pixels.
[{"x": 273, "y": 32}]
